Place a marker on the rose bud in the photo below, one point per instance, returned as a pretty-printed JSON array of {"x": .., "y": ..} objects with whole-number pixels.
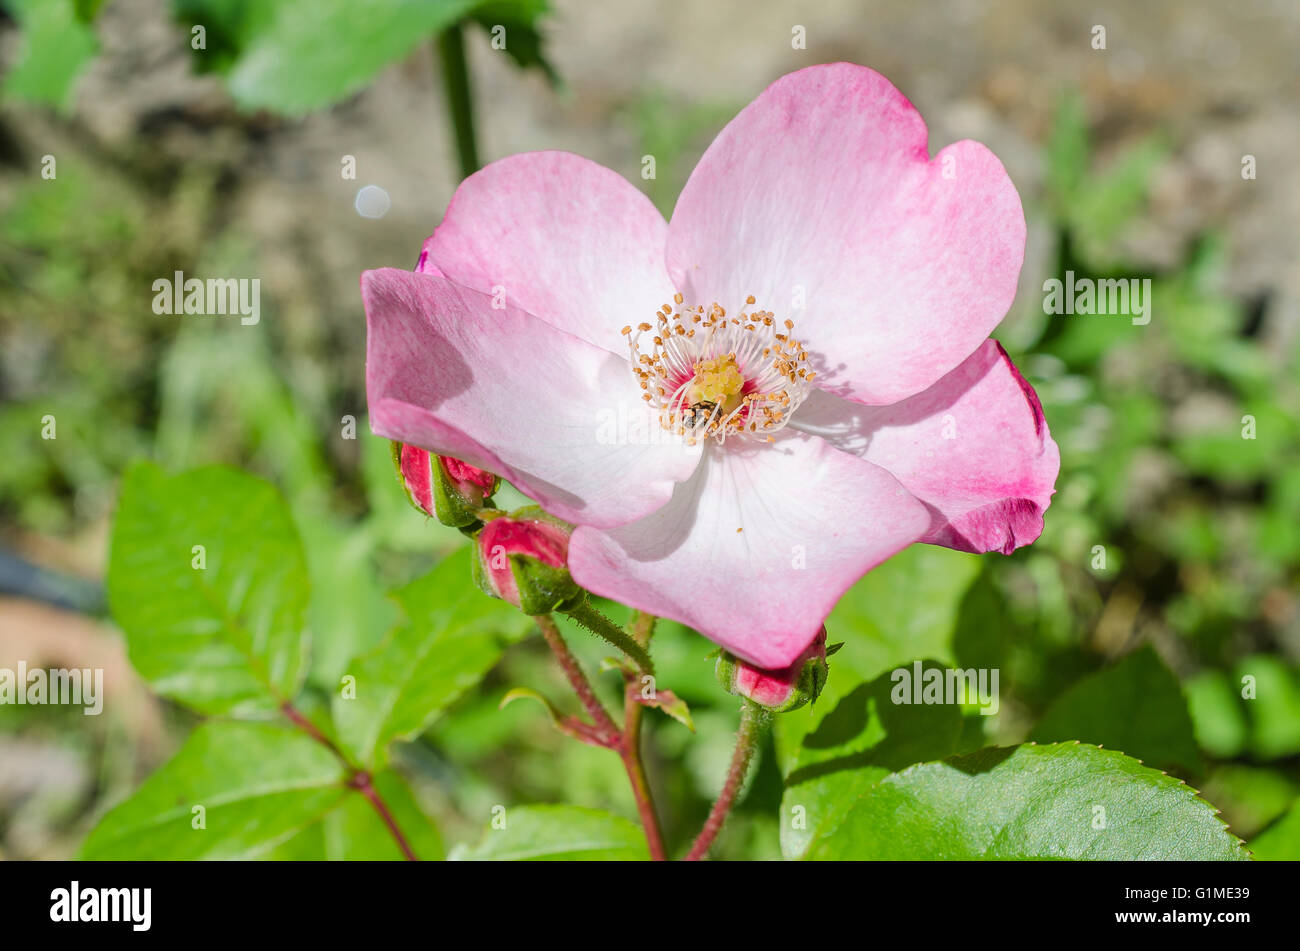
[
  {"x": 441, "y": 486},
  {"x": 523, "y": 558},
  {"x": 778, "y": 690}
]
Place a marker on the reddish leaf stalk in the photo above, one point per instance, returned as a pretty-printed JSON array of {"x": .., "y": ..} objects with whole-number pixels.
[
  {"x": 362, "y": 784},
  {"x": 357, "y": 779},
  {"x": 302, "y": 723}
]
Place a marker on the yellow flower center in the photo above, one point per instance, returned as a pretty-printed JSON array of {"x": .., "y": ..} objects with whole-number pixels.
[{"x": 717, "y": 380}]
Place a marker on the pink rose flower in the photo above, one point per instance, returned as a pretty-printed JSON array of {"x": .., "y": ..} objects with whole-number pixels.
[{"x": 745, "y": 409}]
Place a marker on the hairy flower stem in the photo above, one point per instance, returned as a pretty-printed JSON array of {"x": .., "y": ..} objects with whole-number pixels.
[
  {"x": 460, "y": 104},
  {"x": 577, "y": 679},
  {"x": 590, "y": 618},
  {"x": 626, "y": 742},
  {"x": 357, "y": 778},
  {"x": 753, "y": 719},
  {"x": 630, "y": 751}
]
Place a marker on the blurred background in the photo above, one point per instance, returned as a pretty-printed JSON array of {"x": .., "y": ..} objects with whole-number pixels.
[{"x": 1172, "y": 545}]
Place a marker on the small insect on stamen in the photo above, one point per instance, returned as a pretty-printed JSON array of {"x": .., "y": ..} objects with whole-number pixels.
[{"x": 697, "y": 413}]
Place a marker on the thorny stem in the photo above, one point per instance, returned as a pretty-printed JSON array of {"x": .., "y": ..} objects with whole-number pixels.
[
  {"x": 753, "y": 719},
  {"x": 358, "y": 779},
  {"x": 626, "y": 742},
  {"x": 589, "y": 617},
  {"x": 460, "y": 105}
]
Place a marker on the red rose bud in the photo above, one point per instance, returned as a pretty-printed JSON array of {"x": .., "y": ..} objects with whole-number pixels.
[
  {"x": 446, "y": 488},
  {"x": 469, "y": 481},
  {"x": 778, "y": 690},
  {"x": 523, "y": 558}
]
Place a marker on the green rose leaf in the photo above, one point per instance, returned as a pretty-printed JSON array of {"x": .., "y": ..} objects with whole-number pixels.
[
  {"x": 1064, "y": 801},
  {"x": 558, "y": 833},
  {"x": 349, "y": 611},
  {"x": 452, "y": 636},
  {"x": 295, "y": 56},
  {"x": 855, "y": 745},
  {"x": 207, "y": 578},
  {"x": 315, "y": 52},
  {"x": 907, "y": 609},
  {"x": 1135, "y": 707},
  {"x": 233, "y": 791}
]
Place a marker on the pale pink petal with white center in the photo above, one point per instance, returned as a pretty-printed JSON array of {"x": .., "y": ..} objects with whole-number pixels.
[
  {"x": 509, "y": 393},
  {"x": 820, "y": 199},
  {"x": 754, "y": 551},
  {"x": 561, "y": 237},
  {"x": 974, "y": 447}
]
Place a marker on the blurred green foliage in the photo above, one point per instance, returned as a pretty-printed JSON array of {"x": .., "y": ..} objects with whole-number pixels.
[
  {"x": 1175, "y": 520},
  {"x": 57, "y": 44},
  {"x": 295, "y": 56},
  {"x": 290, "y": 57}
]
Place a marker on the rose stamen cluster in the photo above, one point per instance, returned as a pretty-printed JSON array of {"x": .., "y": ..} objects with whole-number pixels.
[{"x": 714, "y": 376}]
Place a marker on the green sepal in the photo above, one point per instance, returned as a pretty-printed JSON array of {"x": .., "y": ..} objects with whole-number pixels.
[
  {"x": 543, "y": 589},
  {"x": 449, "y": 505}
]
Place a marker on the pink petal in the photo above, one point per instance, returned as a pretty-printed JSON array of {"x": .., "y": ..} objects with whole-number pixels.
[
  {"x": 811, "y": 521},
  {"x": 974, "y": 447},
  {"x": 823, "y": 185},
  {"x": 509, "y": 393},
  {"x": 561, "y": 237}
]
